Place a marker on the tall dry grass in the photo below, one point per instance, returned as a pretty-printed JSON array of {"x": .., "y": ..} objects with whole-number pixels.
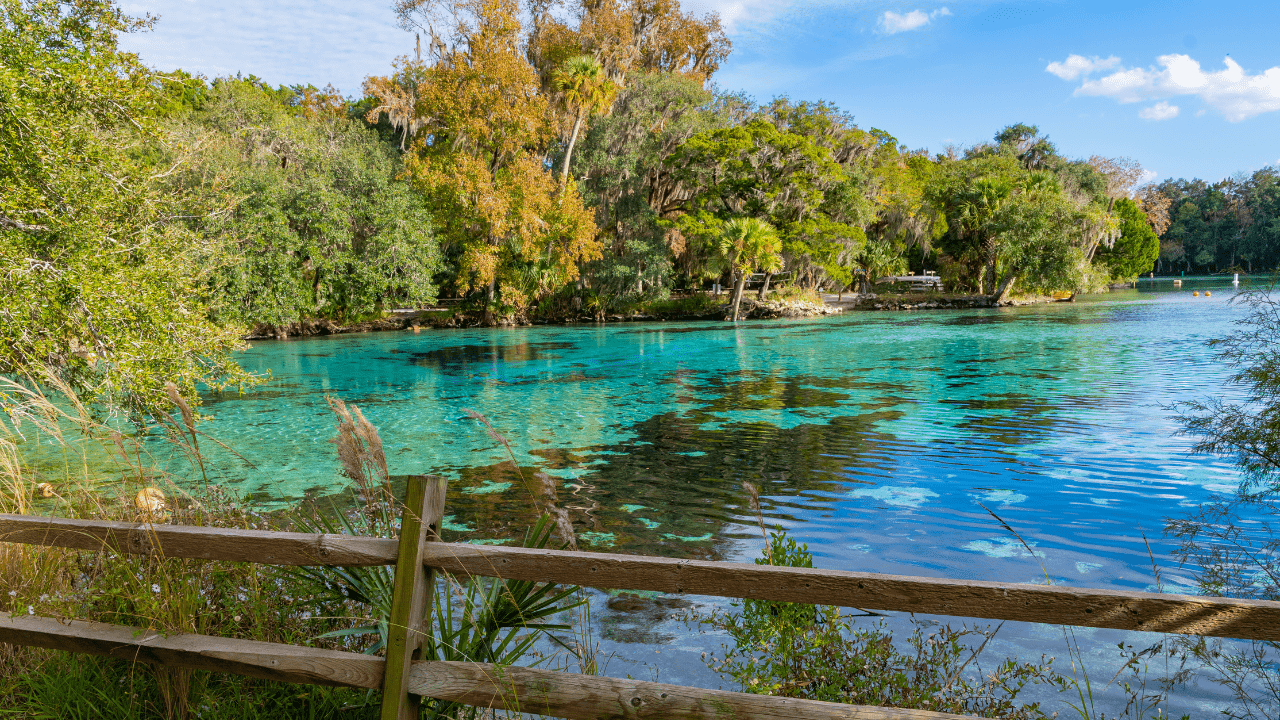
[{"x": 54, "y": 453}]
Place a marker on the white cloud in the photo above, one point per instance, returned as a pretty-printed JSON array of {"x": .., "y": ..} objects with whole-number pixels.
[
  {"x": 1147, "y": 176},
  {"x": 895, "y": 23},
  {"x": 1160, "y": 111},
  {"x": 1076, "y": 65},
  {"x": 1230, "y": 91},
  {"x": 735, "y": 15}
]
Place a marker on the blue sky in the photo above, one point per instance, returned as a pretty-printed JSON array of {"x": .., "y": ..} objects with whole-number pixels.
[{"x": 1188, "y": 89}]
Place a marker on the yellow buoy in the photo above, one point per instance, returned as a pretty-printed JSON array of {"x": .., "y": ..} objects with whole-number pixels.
[
  {"x": 1206, "y": 293},
  {"x": 149, "y": 500},
  {"x": 46, "y": 490},
  {"x": 1195, "y": 294}
]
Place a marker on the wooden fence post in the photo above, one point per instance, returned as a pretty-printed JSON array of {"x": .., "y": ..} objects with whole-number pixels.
[{"x": 411, "y": 598}]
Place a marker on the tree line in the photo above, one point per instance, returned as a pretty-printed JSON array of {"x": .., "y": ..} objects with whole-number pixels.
[
  {"x": 1231, "y": 225},
  {"x": 532, "y": 157}
]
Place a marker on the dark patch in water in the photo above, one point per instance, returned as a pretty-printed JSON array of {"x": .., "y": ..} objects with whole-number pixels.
[
  {"x": 1012, "y": 419},
  {"x": 770, "y": 392},
  {"x": 634, "y": 618},
  {"x": 458, "y": 359},
  {"x": 985, "y": 319},
  {"x": 674, "y": 330}
]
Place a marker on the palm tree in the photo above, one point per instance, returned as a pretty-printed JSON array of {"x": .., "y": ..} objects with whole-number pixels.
[
  {"x": 584, "y": 89},
  {"x": 979, "y": 207},
  {"x": 749, "y": 243}
]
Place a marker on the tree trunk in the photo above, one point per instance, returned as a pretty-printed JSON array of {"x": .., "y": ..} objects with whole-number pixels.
[
  {"x": 488, "y": 304},
  {"x": 1092, "y": 249},
  {"x": 765, "y": 287},
  {"x": 568, "y": 153},
  {"x": 737, "y": 293},
  {"x": 1005, "y": 288}
]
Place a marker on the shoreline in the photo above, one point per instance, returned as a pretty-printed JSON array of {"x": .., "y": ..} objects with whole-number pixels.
[{"x": 752, "y": 309}]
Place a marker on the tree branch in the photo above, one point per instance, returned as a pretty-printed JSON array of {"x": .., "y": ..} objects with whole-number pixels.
[{"x": 11, "y": 224}]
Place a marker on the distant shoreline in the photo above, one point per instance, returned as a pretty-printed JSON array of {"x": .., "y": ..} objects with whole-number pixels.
[{"x": 446, "y": 318}]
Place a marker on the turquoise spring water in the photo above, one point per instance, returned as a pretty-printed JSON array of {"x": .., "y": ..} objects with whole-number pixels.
[{"x": 877, "y": 438}]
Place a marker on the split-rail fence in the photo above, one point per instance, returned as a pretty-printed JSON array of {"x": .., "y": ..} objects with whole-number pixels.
[{"x": 404, "y": 680}]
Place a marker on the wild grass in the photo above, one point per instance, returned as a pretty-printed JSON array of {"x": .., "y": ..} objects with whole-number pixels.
[{"x": 337, "y": 608}]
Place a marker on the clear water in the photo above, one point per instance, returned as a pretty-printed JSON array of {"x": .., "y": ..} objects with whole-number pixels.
[{"x": 877, "y": 438}]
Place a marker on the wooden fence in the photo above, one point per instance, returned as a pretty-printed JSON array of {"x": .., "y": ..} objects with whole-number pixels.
[{"x": 404, "y": 679}]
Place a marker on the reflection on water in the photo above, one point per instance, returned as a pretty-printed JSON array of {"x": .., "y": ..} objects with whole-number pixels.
[{"x": 877, "y": 438}]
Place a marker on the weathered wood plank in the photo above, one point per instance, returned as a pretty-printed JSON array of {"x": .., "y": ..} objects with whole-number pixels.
[
  {"x": 410, "y": 618},
  {"x": 588, "y": 697},
  {"x": 270, "y": 661},
  {"x": 1220, "y": 617},
  {"x": 258, "y": 546},
  {"x": 1217, "y": 617}
]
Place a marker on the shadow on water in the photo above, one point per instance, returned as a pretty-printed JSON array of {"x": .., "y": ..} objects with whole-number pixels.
[
  {"x": 675, "y": 486},
  {"x": 458, "y": 359}
]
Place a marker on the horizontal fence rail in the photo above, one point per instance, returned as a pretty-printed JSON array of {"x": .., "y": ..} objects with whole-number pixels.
[
  {"x": 418, "y": 552},
  {"x": 547, "y": 692},
  {"x": 1060, "y": 605},
  {"x": 269, "y": 661},
  {"x": 590, "y": 697},
  {"x": 204, "y": 543}
]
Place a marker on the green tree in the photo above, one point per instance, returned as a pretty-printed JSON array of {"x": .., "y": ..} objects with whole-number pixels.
[
  {"x": 624, "y": 180},
  {"x": 102, "y": 278},
  {"x": 1137, "y": 248},
  {"x": 303, "y": 206},
  {"x": 1005, "y": 222},
  {"x": 749, "y": 244},
  {"x": 792, "y": 179}
]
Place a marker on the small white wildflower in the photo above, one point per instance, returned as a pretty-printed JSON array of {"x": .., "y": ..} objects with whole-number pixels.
[
  {"x": 236, "y": 618},
  {"x": 241, "y": 597},
  {"x": 155, "y": 587},
  {"x": 13, "y": 593},
  {"x": 44, "y": 597},
  {"x": 31, "y": 610},
  {"x": 306, "y": 616}
]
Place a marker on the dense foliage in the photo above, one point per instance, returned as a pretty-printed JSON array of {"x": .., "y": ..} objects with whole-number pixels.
[
  {"x": 300, "y": 205},
  {"x": 102, "y": 282},
  {"x": 1217, "y": 227}
]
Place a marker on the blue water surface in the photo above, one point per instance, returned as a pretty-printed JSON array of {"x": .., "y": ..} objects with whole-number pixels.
[{"x": 884, "y": 440}]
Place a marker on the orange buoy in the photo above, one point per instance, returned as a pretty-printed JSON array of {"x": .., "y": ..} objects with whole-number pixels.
[
  {"x": 46, "y": 490},
  {"x": 1206, "y": 293},
  {"x": 1195, "y": 294},
  {"x": 149, "y": 500}
]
